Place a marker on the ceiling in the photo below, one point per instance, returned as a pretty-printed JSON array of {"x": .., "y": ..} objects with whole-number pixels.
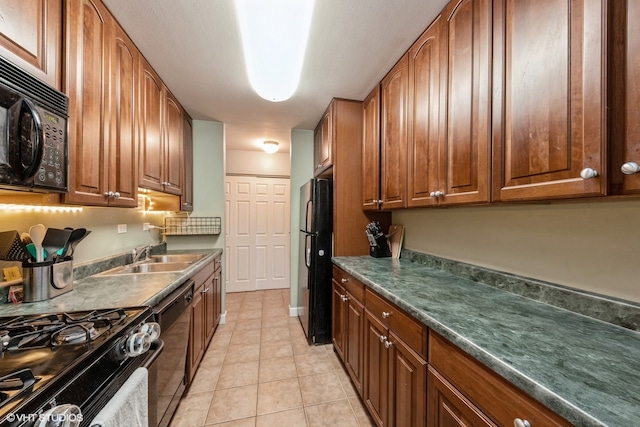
[{"x": 195, "y": 47}]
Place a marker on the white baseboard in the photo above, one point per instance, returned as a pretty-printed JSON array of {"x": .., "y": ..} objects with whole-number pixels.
[{"x": 294, "y": 311}]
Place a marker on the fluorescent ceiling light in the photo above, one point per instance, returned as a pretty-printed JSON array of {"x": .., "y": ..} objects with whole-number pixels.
[
  {"x": 270, "y": 146},
  {"x": 274, "y": 39}
]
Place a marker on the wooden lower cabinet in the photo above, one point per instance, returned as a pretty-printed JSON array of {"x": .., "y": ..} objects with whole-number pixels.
[
  {"x": 447, "y": 407},
  {"x": 205, "y": 313},
  {"x": 348, "y": 325}
]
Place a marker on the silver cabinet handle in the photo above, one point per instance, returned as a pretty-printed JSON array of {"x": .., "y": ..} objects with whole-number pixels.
[
  {"x": 344, "y": 298},
  {"x": 521, "y": 423},
  {"x": 388, "y": 344},
  {"x": 204, "y": 291},
  {"x": 588, "y": 173},
  {"x": 385, "y": 314},
  {"x": 383, "y": 338},
  {"x": 630, "y": 168},
  {"x": 343, "y": 280}
]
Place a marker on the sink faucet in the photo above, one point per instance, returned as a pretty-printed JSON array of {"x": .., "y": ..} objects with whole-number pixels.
[{"x": 139, "y": 251}]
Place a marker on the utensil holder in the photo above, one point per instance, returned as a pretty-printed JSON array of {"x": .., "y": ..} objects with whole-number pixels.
[
  {"x": 46, "y": 280},
  {"x": 381, "y": 250}
]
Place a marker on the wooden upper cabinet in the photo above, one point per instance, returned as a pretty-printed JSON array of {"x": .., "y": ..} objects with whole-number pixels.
[
  {"x": 394, "y": 90},
  {"x": 88, "y": 35},
  {"x": 425, "y": 120},
  {"x": 465, "y": 153},
  {"x": 624, "y": 96},
  {"x": 102, "y": 84},
  {"x": 31, "y": 37},
  {"x": 173, "y": 146},
  {"x": 123, "y": 142},
  {"x": 549, "y": 99},
  {"x": 322, "y": 144},
  {"x": 151, "y": 154},
  {"x": 187, "y": 185},
  {"x": 371, "y": 150}
]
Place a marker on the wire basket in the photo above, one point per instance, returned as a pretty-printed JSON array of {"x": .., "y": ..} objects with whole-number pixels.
[{"x": 180, "y": 226}]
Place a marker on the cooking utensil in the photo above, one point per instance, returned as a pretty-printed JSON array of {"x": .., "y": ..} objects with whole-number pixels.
[
  {"x": 26, "y": 239},
  {"x": 31, "y": 248},
  {"x": 37, "y": 233},
  {"x": 54, "y": 240},
  {"x": 76, "y": 237},
  {"x": 11, "y": 247}
]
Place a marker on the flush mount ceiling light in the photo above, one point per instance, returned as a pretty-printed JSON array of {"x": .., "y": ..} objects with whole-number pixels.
[
  {"x": 270, "y": 146},
  {"x": 274, "y": 38}
]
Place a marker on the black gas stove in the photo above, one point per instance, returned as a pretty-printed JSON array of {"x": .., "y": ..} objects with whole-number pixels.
[{"x": 78, "y": 358}]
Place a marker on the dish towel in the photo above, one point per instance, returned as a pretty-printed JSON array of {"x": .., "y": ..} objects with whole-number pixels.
[{"x": 129, "y": 406}]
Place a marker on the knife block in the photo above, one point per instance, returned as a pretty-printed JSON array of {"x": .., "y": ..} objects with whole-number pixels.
[{"x": 381, "y": 250}]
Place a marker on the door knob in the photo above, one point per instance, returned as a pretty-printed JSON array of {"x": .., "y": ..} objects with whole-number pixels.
[
  {"x": 630, "y": 168},
  {"x": 588, "y": 173}
]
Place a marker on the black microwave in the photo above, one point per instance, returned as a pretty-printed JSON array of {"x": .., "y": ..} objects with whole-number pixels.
[{"x": 33, "y": 132}]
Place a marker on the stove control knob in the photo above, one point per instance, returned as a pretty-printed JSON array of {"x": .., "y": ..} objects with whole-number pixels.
[
  {"x": 152, "y": 329},
  {"x": 61, "y": 416},
  {"x": 137, "y": 344}
]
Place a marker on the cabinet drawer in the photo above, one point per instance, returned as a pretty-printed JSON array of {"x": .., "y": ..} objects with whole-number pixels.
[
  {"x": 493, "y": 395},
  {"x": 410, "y": 330},
  {"x": 351, "y": 284},
  {"x": 201, "y": 276}
]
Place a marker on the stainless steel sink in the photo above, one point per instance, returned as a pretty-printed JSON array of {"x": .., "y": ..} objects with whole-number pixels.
[
  {"x": 153, "y": 267},
  {"x": 174, "y": 258}
]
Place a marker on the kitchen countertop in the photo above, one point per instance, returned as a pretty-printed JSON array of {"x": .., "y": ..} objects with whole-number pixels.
[
  {"x": 127, "y": 290},
  {"x": 584, "y": 369}
]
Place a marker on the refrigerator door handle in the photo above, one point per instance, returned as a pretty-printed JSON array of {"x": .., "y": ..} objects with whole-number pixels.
[
  {"x": 307, "y": 252},
  {"x": 308, "y": 215}
]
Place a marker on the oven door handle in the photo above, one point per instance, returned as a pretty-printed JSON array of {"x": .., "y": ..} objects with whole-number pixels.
[{"x": 156, "y": 348}]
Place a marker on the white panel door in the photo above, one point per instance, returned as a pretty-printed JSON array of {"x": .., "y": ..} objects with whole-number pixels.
[{"x": 257, "y": 233}]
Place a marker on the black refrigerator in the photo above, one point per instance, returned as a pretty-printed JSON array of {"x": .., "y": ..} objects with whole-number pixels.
[{"x": 314, "y": 264}]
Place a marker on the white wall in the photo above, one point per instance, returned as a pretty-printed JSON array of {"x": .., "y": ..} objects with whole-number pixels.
[
  {"x": 301, "y": 172},
  {"x": 587, "y": 245},
  {"x": 241, "y": 162}
]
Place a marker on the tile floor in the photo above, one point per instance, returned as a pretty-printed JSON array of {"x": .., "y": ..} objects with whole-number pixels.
[{"x": 260, "y": 371}]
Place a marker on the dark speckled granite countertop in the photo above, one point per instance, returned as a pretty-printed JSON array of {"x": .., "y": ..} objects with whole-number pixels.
[
  {"x": 584, "y": 369},
  {"x": 128, "y": 290}
]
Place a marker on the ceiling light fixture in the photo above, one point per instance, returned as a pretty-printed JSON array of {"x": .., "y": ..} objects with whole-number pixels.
[
  {"x": 274, "y": 39},
  {"x": 270, "y": 146}
]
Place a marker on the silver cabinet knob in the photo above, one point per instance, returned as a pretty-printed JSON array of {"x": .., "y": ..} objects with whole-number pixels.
[
  {"x": 630, "y": 168},
  {"x": 204, "y": 291},
  {"x": 344, "y": 298},
  {"x": 521, "y": 423},
  {"x": 388, "y": 344},
  {"x": 436, "y": 194},
  {"x": 385, "y": 314},
  {"x": 109, "y": 194},
  {"x": 383, "y": 338},
  {"x": 343, "y": 280},
  {"x": 116, "y": 194},
  {"x": 588, "y": 173},
  {"x": 319, "y": 166}
]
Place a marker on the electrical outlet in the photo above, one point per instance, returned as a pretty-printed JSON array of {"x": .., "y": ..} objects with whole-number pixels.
[
  {"x": 122, "y": 228},
  {"x": 146, "y": 226}
]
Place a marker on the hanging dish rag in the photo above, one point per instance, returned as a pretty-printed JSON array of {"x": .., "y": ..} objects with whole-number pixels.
[{"x": 129, "y": 406}]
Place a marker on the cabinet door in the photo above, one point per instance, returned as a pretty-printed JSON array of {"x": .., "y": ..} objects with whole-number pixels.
[
  {"x": 338, "y": 319},
  {"x": 354, "y": 340},
  {"x": 549, "y": 109},
  {"x": 187, "y": 185},
  {"x": 447, "y": 407},
  {"x": 425, "y": 118},
  {"x": 31, "y": 37},
  {"x": 394, "y": 91},
  {"x": 371, "y": 150},
  {"x": 376, "y": 372},
  {"x": 150, "y": 165},
  {"x": 217, "y": 286},
  {"x": 196, "y": 341},
  {"x": 209, "y": 294},
  {"x": 89, "y": 31},
  {"x": 624, "y": 77},
  {"x": 174, "y": 137},
  {"x": 464, "y": 157},
  {"x": 322, "y": 141},
  {"x": 407, "y": 380},
  {"x": 123, "y": 143}
]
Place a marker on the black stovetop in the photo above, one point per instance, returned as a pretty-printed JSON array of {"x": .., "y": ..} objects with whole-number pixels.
[{"x": 40, "y": 355}]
